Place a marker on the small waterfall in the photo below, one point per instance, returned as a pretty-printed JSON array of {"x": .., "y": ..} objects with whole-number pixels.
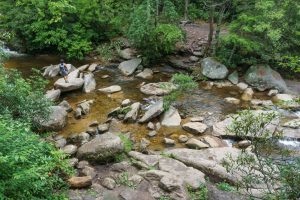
[{"x": 9, "y": 52}]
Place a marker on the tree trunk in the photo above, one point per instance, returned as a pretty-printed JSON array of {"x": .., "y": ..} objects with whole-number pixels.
[
  {"x": 186, "y": 10},
  {"x": 211, "y": 27},
  {"x": 218, "y": 29}
]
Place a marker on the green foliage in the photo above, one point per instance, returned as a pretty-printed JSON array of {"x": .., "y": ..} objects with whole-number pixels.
[
  {"x": 225, "y": 187},
  {"x": 262, "y": 32},
  {"x": 107, "y": 50},
  {"x": 164, "y": 198},
  {"x": 200, "y": 194},
  {"x": 123, "y": 179},
  {"x": 277, "y": 175},
  {"x": 291, "y": 63},
  {"x": 154, "y": 32},
  {"x": 21, "y": 98},
  {"x": 127, "y": 143},
  {"x": 184, "y": 84},
  {"x": 70, "y": 26},
  {"x": 29, "y": 168}
]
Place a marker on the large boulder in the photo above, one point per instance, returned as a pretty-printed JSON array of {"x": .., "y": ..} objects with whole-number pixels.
[
  {"x": 262, "y": 77},
  {"x": 213, "y": 69},
  {"x": 129, "y": 67},
  {"x": 72, "y": 84},
  {"x": 101, "y": 149},
  {"x": 89, "y": 83},
  {"x": 171, "y": 118},
  {"x": 154, "y": 111},
  {"x": 195, "y": 127},
  {"x": 158, "y": 89},
  {"x": 53, "y": 70},
  {"x": 57, "y": 119},
  {"x": 53, "y": 94}
]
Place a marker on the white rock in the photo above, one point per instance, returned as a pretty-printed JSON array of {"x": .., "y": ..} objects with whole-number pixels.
[
  {"x": 195, "y": 127},
  {"x": 171, "y": 118},
  {"x": 111, "y": 89},
  {"x": 232, "y": 100}
]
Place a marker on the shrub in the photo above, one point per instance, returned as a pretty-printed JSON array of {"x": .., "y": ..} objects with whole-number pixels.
[
  {"x": 200, "y": 194},
  {"x": 271, "y": 168},
  {"x": 21, "y": 98},
  {"x": 29, "y": 168},
  {"x": 184, "y": 84}
]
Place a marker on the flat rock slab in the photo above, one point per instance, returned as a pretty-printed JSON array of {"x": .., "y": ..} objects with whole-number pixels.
[
  {"x": 158, "y": 89},
  {"x": 195, "y": 127},
  {"x": 146, "y": 74},
  {"x": 80, "y": 182},
  {"x": 111, "y": 89}
]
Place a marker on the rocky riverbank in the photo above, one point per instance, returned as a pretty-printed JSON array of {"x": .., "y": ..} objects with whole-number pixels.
[{"x": 193, "y": 142}]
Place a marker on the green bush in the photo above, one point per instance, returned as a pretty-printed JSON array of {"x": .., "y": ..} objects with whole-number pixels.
[
  {"x": 23, "y": 99},
  {"x": 184, "y": 83},
  {"x": 29, "y": 168}
]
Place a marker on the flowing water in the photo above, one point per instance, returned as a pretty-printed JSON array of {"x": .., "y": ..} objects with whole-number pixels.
[{"x": 207, "y": 103}]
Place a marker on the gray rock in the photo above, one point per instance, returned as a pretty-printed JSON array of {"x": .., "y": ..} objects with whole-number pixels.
[
  {"x": 158, "y": 126},
  {"x": 89, "y": 171},
  {"x": 262, "y": 77},
  {"x": 132, "y": 115},
  {"x": 111, "y": 89},
  {"x": 101, "y": 148},
  {"x": 149, "y": 160},
  {"x": 66, "y": 106},
  {"x": 128, "y": 67},
  {"x": 146, "y": 74},
  {"x": 272, "y": 93},
  {"x": 193, "y": 58},
  {"x": 234, "y": 78},
  {"x": 258, "y": 102},
  {"x": 283, "y": 97},
  {"x": 171, "y": 118},
  {"x": 170, "y": 183},
  {"x": 152, "y": 133},
  {"x": 70, "y": 149},
  {"x": 131, "y": 194},
  {"x": 73, "y": 75},
  {"x": 244, "y": 144},
  {"x": 183, "y": 138},
  {"x": 60, "y": 143},
  {"x": 85, "y": 107},
  {"x": 197, "y": 119},
  {"x": 53, "y": 70},
  {"x": 77, "y": 113},
  {"x": 57, "y": 119},
  {"x": 232, "y": 100},
  {"x": 89, "y": 83},
  {"x": 53, "y": 95},
  {"x": 242, "y": 86},
  {"x": 82, "y": 164},
  {"x": 126, "y": 102},
  {"x": 213, "y": 69},
  {"x": 169, "y": 142},
  {"x": 208, "y": 160},
  {"x": 73, "y": 84},
  {"x": 150, "y": 126},
  {"x": 73, "y": 162},
  {"x": 127, "y": 53},
  {"x": 190, "y": 176},
  {"x": 213, "y": 141},
  {"x": 195, "y": 144},
  {"x": 158, "y": 89},
  {"x": 83, "y": 67},
  {"x": 103, "y": 128},
  {"x": 295, "y": 124},
  {"x": 144, "y": 143},
  {"x": 109, "y": 183},
  {"x": 94, "y": 123},
  {"x": 195, "y": 127},
  {"x": 248, "y": 94},
  {"x": 92, "y": 67},
  {"x": 154, "y": 111}
]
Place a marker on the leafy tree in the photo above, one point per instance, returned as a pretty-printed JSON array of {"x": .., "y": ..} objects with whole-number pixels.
[
  {"x": 153, "y": 30},
  {"x": 29, "y": 168},
  {"x": 266, "y": 166},
  {"x": 262, "y": 31}
]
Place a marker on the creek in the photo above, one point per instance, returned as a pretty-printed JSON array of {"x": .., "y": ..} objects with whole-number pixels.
[{"x": 203, "y": 102}]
